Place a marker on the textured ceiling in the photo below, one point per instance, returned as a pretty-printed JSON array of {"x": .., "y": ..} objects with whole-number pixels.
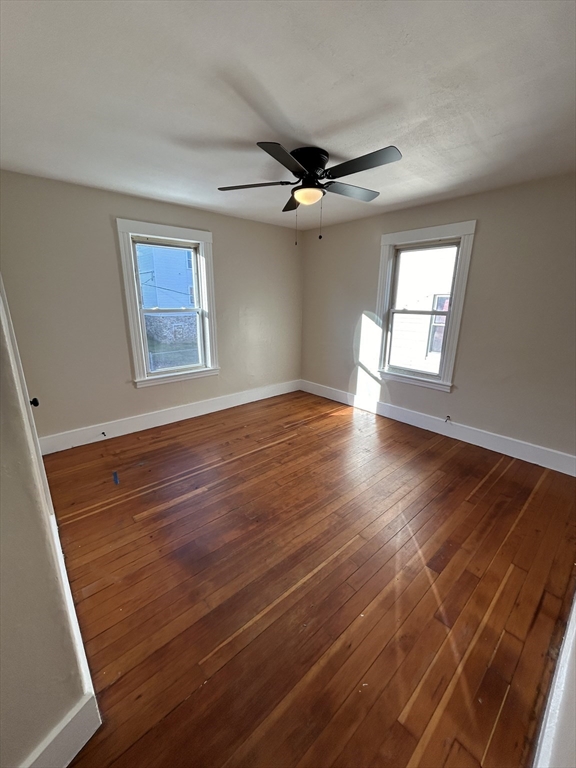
[{"x": 168, "y": 99}]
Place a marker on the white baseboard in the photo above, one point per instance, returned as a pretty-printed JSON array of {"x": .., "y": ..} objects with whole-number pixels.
[
  {"x": 94, "y": 433},
  {"x": 65, "y": 740},
  {"x": 329, "y": 392},
  {"x": 535, "y": 454}
]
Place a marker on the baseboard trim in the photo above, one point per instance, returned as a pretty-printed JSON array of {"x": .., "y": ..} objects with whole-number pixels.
[
  {"x": 92, "y": 434},
  {"x": 330, "y": 393},
  {"x": 535, "y": 454},
  {"x": 66, "y": 739}
]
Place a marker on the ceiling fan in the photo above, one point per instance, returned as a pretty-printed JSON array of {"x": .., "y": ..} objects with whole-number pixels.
[{"x": 308, "y": 164}]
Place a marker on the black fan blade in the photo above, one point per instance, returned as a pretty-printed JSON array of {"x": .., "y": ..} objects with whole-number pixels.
[
  {"x": 291, "y": 205},
  {"x": 250, "y": 186},
  {"x": 358, "y": 193},
  {"x": 282, "y": 155},
  {"x": 364, "y": 163}
]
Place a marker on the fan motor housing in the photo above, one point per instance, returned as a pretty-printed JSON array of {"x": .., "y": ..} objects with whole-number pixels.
[{"x": 313, "y": 159}]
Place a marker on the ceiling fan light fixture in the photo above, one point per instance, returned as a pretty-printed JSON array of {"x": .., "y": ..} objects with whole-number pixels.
[
  {"x": 308, "y": 195},
  {"x": 308, "y": 165}
]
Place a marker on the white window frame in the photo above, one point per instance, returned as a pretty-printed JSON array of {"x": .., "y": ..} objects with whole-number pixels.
[
  {"x": 462, "y": 234},
  {"x": 130, "y": 232}
]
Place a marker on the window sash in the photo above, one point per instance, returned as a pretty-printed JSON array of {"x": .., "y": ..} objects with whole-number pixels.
[
  {"x": 461, "y": 234},
  {"x": 197, "y": 309},
  {"x": 200, "y": 328},
  {"x": 386, "y": 366},
  {"x": 193, "y": 253},
  {"x": 429, "y": 246},
  {"x": 420, "y": 312},
  {"x": 407, "y": 371},
  {"x": 195, "y": 278},
  {"x": 130, "y": 232}
]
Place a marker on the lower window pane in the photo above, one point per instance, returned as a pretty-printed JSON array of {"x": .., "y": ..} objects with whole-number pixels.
[
  {"x": 173, "y": 340},
  {"x": 416, "y": 343}
]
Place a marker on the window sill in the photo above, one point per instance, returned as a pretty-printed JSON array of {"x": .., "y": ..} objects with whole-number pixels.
[
  {"x": 165, "y": 378},
  {"x": 419, "y": 381}
]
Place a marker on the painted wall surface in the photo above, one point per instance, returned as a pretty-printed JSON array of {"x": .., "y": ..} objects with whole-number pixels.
[
  {"x": 40, "y": 676},
  {"x": 61, "y": 268},
  {"x": 515, "y": 365}
]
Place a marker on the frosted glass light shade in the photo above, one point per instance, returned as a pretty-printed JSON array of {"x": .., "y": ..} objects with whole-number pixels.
[{"x": 308, "y": 195}]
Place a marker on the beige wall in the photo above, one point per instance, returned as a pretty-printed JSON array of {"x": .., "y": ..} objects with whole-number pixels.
[
  {"x": 40, "y": 674},
  {"x": 515, "y": 363},
  {"x": 61, "y": 267}
]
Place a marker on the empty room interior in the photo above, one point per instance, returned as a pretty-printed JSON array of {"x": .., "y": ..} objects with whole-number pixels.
[{"x": 288, "y": 459}]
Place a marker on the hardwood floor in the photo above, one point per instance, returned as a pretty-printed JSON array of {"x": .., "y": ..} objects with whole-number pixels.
[{"x": 297, "y": 583}]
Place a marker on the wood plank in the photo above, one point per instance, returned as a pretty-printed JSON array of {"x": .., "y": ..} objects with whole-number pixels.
[
  {"x": 368, "y": 725},
  {"x": 563, "y": 562},
  {"x": 459, "y": 757},
  {"x": 457, "y": 598},
  {"x": 522, "y": 616},
  {"x": 288, "y": 732},
  {"x": 449, "y": 714},
  {"x": 440, "y": 560},
  {"x": 313, "y": 577},
  {"x": 493, "y": 600},
  {"x": 508, "y": 746},
  {"x": 230, "y": 697},
  {"x": 109, "y": 557},
  {"x": 396, "y": 748},
  {"x": 506, "y": 656},
  {"x": 300, "y": 719},
  {"x": 478, "y": 719}
]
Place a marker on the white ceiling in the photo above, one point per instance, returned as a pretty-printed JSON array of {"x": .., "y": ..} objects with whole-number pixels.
[{"x": 167, "y": 99}]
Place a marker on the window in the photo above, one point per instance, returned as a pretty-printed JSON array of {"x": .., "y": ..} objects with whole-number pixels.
[
  {"x": 420, "y": 299},
  {"x": 438, "y": 324},
  {"x": 170, "y": 298}
]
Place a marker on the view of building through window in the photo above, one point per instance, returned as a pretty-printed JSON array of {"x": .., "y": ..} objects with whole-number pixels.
[
  {"x": 170, "y": 305},
  {"x": 423, "y": 285}
]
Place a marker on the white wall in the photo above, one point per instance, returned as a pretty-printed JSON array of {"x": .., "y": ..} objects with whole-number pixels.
[
  {"x": 515, "y": 365},
  {"x": 44, "y": 675},
  {"x": 61, "y": 268}
]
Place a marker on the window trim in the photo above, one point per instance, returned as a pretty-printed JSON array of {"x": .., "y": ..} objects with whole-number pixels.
[
  {"x": 130, "y": 232},
  {"x": 461, "y": 232}
]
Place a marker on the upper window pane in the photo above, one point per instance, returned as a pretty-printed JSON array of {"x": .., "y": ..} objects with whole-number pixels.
[
  {"x": 422, "y": 276},
  {"x": 166, "y": 276}
]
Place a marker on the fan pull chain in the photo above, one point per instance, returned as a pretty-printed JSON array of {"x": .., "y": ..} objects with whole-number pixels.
[
  {"x": 320, "y": 235},
  {"x": 296, "y": 229}
]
